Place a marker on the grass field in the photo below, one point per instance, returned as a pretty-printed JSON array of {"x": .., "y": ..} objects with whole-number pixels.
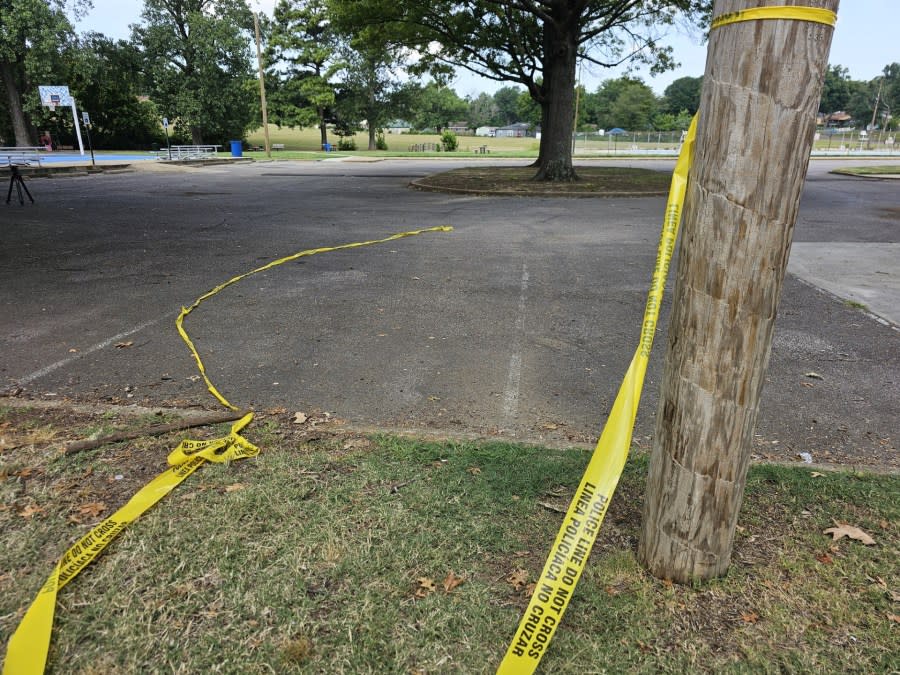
[
  {"x": 307, "y": 141},
  {"x": 886, "y": 170},
  {"x": 338, "y": 553}
]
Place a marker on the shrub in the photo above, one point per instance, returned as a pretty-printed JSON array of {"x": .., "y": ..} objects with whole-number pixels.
[
  {"x": 449, "y": 141},
  {"x": 380, "y": 143},
  {"x": 346, "y": 143}
]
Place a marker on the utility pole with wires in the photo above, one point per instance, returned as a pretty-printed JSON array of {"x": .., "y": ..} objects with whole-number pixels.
[
  {"x": 874, "y": 113},
  {"x": 262, "y": 87}
]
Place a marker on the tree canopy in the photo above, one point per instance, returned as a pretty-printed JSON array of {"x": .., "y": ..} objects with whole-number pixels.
[
  {"x": 198, "y": 63},
  {"x": 372, "y": 89},
  {"x": 533, "y": 43},
  {"x": 303, "y": 54},
  {"x": 682, "y": 94},
  {"x": 34, "y": 36}
]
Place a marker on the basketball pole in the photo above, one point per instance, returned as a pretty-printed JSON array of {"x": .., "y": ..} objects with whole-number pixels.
[{"x": 77, "y": 127}]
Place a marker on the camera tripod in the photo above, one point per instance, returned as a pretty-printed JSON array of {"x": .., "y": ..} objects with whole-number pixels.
[{"x": 15, "y": 178}]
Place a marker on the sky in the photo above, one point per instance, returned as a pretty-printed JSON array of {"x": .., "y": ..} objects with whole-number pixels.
[{"x": 864, "y": 42}]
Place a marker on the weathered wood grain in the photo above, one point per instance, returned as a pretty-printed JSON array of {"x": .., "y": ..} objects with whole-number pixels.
[{"x": 760, "y": 95}]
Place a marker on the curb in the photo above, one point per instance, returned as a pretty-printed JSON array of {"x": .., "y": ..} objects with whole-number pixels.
[{"x": 419, "y": 185}]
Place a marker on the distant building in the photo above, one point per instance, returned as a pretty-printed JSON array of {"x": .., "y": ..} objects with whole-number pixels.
[
  {"x": 459, "y": 128},
  {"x": 838, "y": 119},
  {"x": 486, "y": 131},
  {"x": 398, "y": 127},
  {"x": 517, "y": 130}
]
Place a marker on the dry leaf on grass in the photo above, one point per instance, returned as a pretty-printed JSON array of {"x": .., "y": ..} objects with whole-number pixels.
[
  {"x": 31, "y": 511},
  {"x": 474, "y": 470},
  {"x": 824, "y": 558},
  {"x": 425, "y": 587},
  {"x": 92, "y": 509},
  {"x": 300, "y": 418},
  {"x": 451, "y": 581},
  {"x": 234, "y": 487},
  {"x": 843, "y": 530},
  {"x": 894, "y": 618},
  {"x": 518, "y": 579},
  {"x": 552, "y": 507},
  {"x": 749, "y": 617}
]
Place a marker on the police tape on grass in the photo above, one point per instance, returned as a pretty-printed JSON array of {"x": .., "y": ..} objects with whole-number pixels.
[
  {"x": 577, "y": 535},
  {"x": 27, "y": 651},
  {"x": 28, "y": 647},
  {"x": 570, "y": 551}
]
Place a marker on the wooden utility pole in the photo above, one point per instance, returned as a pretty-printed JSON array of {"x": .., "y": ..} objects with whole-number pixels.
[
  {"x": 755, "y": 132},
  {"x": 262, "y": 88}
]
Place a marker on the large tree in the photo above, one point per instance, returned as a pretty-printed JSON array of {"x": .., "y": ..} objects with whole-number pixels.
[
  {"x": 198, "y": 54},
  {"x": 372, "y": 89},
  {"x": 682, "y": 94},
  {"x": 303, "y": 52},
  {"x": 106, "y": 76},
  {"x": 507, "y": 101},
  {"x": 836, "y": 90},
  {"x": 535, "y": 43},
  {"x": 435, "y": 106},
  {"x": 611, "y": 105},
  {"x": 482, "y": 110},
  {"x": 34, "y": 34},
  {"x": 890, "y": 96}
]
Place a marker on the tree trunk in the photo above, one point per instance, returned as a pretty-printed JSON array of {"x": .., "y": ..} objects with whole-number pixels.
[
  {"x": 323, "y": 130},
  {"x": 560, "y": 52},
  {"x": 196, "y": 135},
  {"x": 14, "y": 99},
  {"x": 372, "y": 112},
  {"x": 757, "y": 119},
  {"x": 545, "y": 122}
]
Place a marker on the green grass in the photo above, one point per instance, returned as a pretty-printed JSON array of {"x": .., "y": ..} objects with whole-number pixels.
[
  {"x": 308, "y": 558},
  {"x": 886, "y": 170},
  {"x": 308, "y": 140}
]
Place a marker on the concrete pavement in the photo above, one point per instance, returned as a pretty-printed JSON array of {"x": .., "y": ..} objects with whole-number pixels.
[{"x": 518, "y": 325}]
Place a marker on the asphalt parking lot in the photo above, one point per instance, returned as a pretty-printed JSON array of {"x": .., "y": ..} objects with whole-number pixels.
[{"x": 518, "y": 324}]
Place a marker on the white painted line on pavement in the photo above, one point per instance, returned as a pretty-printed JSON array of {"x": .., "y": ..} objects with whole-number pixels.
[
  {"x": 514, "y": 376},
  {"x": 46, "y": 370}
]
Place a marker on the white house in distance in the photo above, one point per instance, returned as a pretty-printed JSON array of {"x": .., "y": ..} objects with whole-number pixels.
[
  {"x": 398, "y": 127},
  {"x": 517, "y": 130},
  {"x": 486, "y": 131},
  {"x": 459, "y": 128}
]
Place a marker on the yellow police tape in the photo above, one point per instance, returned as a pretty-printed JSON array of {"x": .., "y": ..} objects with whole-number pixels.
[
  {"x": 812, "y": 14},
  {"x": 553, "y": 589},
  {"x": 26, "y": 653},
  {"x": 302, "y": 254},
  {"x": 572, "y": 546}
]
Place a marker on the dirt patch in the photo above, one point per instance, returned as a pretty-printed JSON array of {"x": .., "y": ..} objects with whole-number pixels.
[{"x": 517, "y": 181}]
